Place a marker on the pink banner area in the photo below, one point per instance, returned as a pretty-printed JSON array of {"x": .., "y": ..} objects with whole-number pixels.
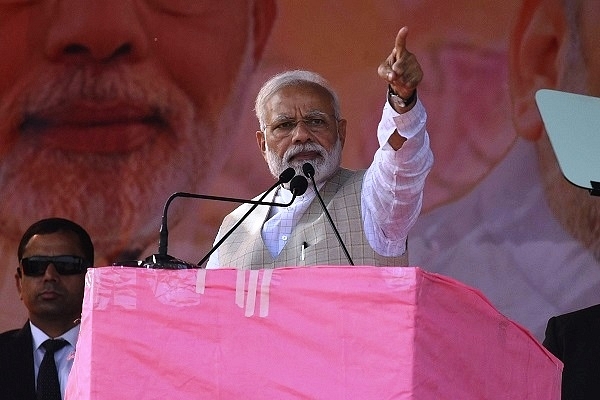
[{"x": 300, "y": 333}]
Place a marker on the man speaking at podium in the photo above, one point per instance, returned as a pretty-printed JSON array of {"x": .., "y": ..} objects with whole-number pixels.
[{"x": 372, "y": 210}]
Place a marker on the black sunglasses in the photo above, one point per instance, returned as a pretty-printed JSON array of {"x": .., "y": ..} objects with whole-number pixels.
[{"x": 65, "y": 265}]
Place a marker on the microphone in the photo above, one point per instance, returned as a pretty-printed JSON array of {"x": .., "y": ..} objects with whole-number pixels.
[
  {"x": 163, "y": 240},
  {"x": 309, "y": 172},
  {"x": 162, "y": 260},
  {"x": 298, "y": 186}
]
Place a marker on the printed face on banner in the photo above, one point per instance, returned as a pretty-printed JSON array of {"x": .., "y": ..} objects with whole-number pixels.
[
  {"x": 101, "y": 121},
  {"x": 566, "y": 36},
  {"x": 107, "y": 109}
]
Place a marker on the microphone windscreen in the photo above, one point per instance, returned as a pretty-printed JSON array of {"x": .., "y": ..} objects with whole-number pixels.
[
  {"x": 308, "y": 169},
  {"x": 287, "y": 175},
  {"x": 298, "y": 185}
]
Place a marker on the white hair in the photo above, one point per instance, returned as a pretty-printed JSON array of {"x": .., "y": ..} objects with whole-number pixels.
[{"x": 291, "y": 78}]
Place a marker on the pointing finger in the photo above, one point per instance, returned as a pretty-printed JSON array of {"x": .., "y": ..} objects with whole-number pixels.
[{"x": 400, "y": 45}]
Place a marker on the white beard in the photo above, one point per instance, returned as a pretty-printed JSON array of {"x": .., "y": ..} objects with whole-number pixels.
[
  {"x": 117, "y": 198},
  {"x": 325, "y": 165}
]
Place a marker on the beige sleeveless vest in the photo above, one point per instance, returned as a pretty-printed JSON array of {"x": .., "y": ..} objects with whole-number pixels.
[{"x": 245, "y": 249}]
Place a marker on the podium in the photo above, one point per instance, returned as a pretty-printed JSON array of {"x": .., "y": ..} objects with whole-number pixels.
[{"x": 300, "y": 333}]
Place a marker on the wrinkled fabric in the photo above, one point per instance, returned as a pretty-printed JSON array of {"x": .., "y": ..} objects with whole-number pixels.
[{"x": 300, "y": 333}]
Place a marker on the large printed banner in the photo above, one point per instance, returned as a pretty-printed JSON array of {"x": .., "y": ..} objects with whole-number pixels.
[
  {"x": 300, "y": 333},
  {"x": 105, "y": 112}
]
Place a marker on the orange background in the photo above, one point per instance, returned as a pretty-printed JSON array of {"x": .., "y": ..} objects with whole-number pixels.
[{"x": 462, "y": 46}]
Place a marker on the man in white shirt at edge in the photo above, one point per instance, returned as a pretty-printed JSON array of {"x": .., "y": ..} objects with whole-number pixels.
[{"x": 300, "y": 122}]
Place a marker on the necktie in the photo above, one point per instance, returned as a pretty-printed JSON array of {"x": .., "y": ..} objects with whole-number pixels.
[{"x": 48, "y": 386}]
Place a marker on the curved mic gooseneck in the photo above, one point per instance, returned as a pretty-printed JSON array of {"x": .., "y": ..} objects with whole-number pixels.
[
  {"x": 298, "y": 186},
  {"x": 164, "y": 261},
  {"x": 309, "y": 172},
  {"x": 163, "y": 240}
]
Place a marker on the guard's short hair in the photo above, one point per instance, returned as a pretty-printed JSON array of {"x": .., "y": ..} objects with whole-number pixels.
[{"x": 52, "y": 225}]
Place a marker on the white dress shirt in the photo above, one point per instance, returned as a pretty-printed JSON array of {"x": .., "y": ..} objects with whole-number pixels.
[{"x": 63, "y": 357}]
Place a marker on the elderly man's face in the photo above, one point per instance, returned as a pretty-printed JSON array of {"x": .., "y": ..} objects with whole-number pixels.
[
  {"x": 109, "y": 106},
  {"x": 301, "y": 127}
]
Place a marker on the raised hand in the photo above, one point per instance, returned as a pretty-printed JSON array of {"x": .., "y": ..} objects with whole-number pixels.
[{"x": 401, "y": 70}]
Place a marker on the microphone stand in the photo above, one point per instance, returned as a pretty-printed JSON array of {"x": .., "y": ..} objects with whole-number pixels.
[
  {"x": 298, "y": 186},
  {"x": 162, "y": 260},
  {"x": 309, "y": 171}
]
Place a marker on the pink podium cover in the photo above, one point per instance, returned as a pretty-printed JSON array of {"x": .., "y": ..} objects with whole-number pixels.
[{"x": 300, "y": 333}]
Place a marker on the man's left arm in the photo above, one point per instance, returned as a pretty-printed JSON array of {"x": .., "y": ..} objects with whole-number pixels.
[{"x": 392, "y": 192}]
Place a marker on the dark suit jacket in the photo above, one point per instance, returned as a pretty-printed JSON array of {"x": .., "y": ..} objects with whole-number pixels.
[
  {"x": 575, "y": 339},
  {"x": 17, "y": 377}
]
